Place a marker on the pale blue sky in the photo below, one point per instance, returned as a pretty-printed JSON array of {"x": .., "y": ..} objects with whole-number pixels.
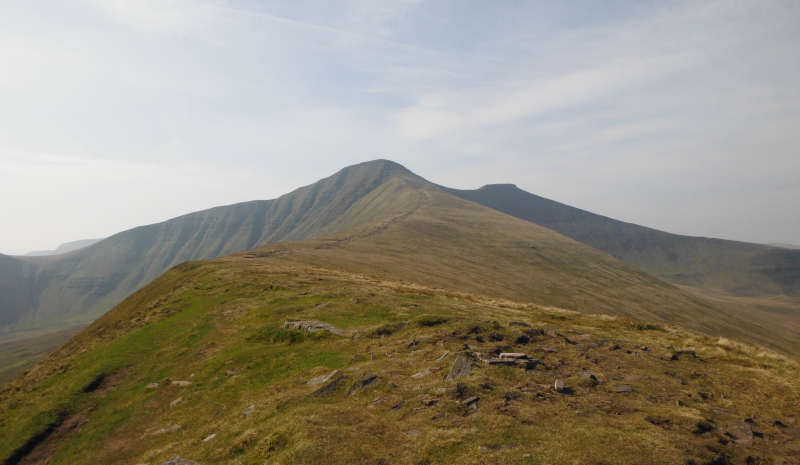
[{"x": 683, "y": 116}]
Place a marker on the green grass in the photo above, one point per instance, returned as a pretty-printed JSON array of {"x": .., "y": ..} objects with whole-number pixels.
[{"x": 218, "y": 325}]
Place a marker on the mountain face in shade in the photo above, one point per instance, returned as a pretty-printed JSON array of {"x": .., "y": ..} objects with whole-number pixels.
[
  {"x": 64, "y": 248},
  {"x": 737, "y": 268}
]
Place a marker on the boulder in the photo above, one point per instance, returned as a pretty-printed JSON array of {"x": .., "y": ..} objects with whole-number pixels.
[
  {"x": 461, "y": 368},
  {"x": 558, "y": 385},
  {"x": 312, "y": 326},
  {"x": 331, "y": 387},
  {"x": 741, "y": 432},
  {"x": 365, "y": 381}
]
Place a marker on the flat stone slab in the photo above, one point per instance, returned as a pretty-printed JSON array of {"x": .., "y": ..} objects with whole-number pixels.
[
  {"x": 623, "y": 388},
  {"x": 461, "y": 368},
  {"x": 741, "y": 432},
  {"x": 516, "y": 355},
  {"x": 312, "y": 326}
]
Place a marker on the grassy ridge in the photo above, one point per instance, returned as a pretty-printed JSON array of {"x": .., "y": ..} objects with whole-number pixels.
[{"x": 218, "y": 325}]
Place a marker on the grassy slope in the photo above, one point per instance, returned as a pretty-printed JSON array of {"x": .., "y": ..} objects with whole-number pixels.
[
  {"x": 735, "y": 268},
  {"x": 45, "y": 294},
  {"x": 459, "y": 245},
  {"x": 218, "y": 324}
]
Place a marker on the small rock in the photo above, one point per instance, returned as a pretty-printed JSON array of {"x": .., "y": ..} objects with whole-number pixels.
[
  {"x": 779, "y": 423},
  {"x": 365, "y": 381},
  {"x": 684, "y": 355},
  {"x": 176, "y": 402},
  {"x": 461, "y": 368},
  {"x": 422, "y": 373},
  {"x": 515, "y": 355},
  {"x": 471, "y": 400},
  {"x": 210, "y": 437},
  {"x": 398, "y": 405},
  {"x": 330, "y": 388},
  {"x": 741, "y": 432},
  {"x": 588, "y": 375},
  {"x": 151, "y": 386},
  {"x": 550, "y": 332},
  {"x": 644, "y": 348},
  {"x": 249, "y": 410},
  {"x": 526, "y": 456},
  {"x": 558, "y": 385},
  {"x": 322, "y": 378},
  {"x": 615, "y": 347},
  {"x": 312, "y": 326},
  {"x": 623, "y": 388},
  {"x": 182, "y": 383},
  {"x": 438, "y": 416},
  {"x": 178, "y": 460},
  {"x": 412, "y": 432},
  {"x": 165, "y": 430},
  {"x": 496, "y": 337},
  {"x": 519, "y": 323},
  {"x": 442, "y": 357},
  {"x": 430, "y": 402}
]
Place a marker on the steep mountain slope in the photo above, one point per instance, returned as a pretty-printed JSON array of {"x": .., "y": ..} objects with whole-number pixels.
[
  {"x": 200, "y": 364},
  {"x": 736, "y": 268},
  {"x": 43, "y": 294}
]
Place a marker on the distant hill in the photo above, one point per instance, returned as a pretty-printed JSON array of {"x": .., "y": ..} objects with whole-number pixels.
[
  {"x": 736, "y": 268},
  {"x": 64, "y": 248}
]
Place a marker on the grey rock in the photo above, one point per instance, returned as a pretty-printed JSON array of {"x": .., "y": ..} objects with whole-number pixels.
[
  {"x": 365, "y": 381},
  {"x": 210, "y": 437},
  {"x": 178, "y": 460},
  {"x": 461, "y": 368},
  {"x": 330, "y": 388},
  {"x": 151, "y": 386},
  {"x": 684, "y": 355},
  {"x": 322, "y": 378},
  {"x": 550, "y": 332},
  {"x": 182, "y": 383},
  {"x": 249, "y": 410},
  {"x": 442, "y": 357},
  {"x": 496, "y": 337},
  {"x": 559, "y": 385},
  {"x": 176, "y": 402},
  {"x": 515, "y": 355},
  {"x": 741, "y": 432},
  {"x": 519, "y": 323},
  {"x": 412, "y": 432},
  {"x": 312, "y": 326},
  {"x": 623, "y": 388},
  {"x": 422, "y": 373},
  {"x": 471, "y": 400},
  {"x": 588, "y": 375}
]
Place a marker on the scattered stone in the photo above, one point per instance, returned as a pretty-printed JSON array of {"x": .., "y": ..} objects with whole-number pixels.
[
  {"x": 615, "y": 347},
  {"x": 319, "y": 305},
  {"x": 442, "y": 357},
  {"x": 176, "y": 402},
  {"x": 519, "y": 323},
  {"x": 438, "y": 416},
  {"x": 644, "y": 348},
  {"x": 422, "y": 373},
  {"x": 461, "y": 368},
  {"x": 526, "y": 456},
  {"x": 249, "y": 410},
  {"x": 471, "y": 400},
  {"x": 779, "y": 423},
  {"x": 549, "y": 350},
  {"x": 496, "y": 337},
  {"x": 588, "y": 375},
  {"x": 151, "y": 386},
  {"x": 178, "y": 460},
  {"x": 182, "y": 383},
  {"x": 231, "y": 372},
  {"x": 312, "y": 326},
  {"x": 623, "y": 388},
  {"x": 365, "y": 381},
  {"x": 322, "y": 378},
  {"x": 558, "y": 385},
  {"x": 523, "y": 339},
  {"x": 511, "y": 396},
  {"x": 412, "y": 432},
  {"x": 595, "y": 345},
  {"x": 210, "y": 437},
  {"x": 550, "y": 332},
  {"x": 430, "y": 402},
  {"x": 741, "y": 432},
  {"x": 330, "y": 388}
]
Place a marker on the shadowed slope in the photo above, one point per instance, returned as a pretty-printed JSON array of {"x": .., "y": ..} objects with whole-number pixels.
[
  {"x": 736, "y": 268},
  {"x": 47, "y": 293},
  {"x": 460, "y": 245}
]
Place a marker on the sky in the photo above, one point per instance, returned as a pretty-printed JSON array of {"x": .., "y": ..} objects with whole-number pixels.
[{"x": 678, "y": 115}]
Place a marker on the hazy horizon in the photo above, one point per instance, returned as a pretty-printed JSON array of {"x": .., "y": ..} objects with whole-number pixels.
[{"x": 680, "y": 116}]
